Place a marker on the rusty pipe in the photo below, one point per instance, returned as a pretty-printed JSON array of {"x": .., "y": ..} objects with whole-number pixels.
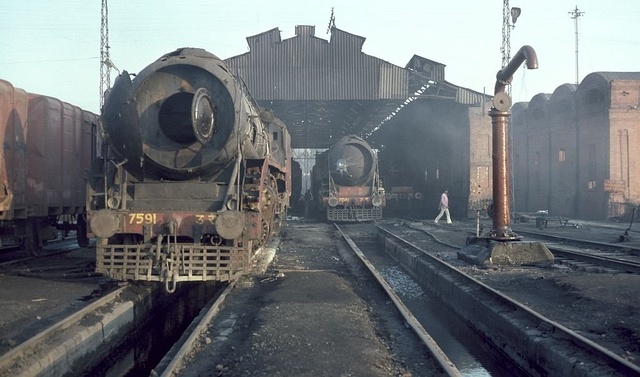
[
  {"x": 504, "y": 76},
  {"x": 501, "y": 217},
  {"x": 500, "y": 123}
]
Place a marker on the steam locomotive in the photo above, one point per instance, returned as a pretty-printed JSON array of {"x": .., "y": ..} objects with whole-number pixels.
[
  {"x": 197, "y": 176},
  {"x": 346, "y": 183}
]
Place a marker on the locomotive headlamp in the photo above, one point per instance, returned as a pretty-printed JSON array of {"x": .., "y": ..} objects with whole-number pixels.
[
  {"x": 376, "y": 201},
  {"x": 341, "y": 166},
  {"x": 333, "y": 201},
  {"x": 113, "y": 202}
]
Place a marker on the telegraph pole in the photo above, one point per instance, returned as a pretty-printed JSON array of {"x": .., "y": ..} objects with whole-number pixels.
[{"x": 575, "y": 14}]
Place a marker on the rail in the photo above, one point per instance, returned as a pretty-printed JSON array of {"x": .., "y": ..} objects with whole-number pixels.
[
  {"x": 443, "y": 361},
  {"x": 176, "y": 357},
  {"x": 30, "y": 358},
  {"x": 583, "y": 348}
]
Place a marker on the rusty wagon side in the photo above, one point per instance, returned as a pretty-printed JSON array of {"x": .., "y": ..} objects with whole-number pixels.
[{"x": 47, "y": 151}]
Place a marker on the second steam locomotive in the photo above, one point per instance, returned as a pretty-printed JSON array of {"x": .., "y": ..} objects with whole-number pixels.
[
  {"x": 345, "y": 182},
  {"x": 197, "y": 178}
]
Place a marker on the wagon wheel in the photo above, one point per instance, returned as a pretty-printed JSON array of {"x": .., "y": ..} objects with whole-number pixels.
[
  {"x": 32, "y": 243},
  {"x": 81, "y": 230}
]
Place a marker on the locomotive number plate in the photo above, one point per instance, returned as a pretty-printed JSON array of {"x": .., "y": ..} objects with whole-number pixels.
[
  {"x": 152, "y": 218},
  {"x": 201, "y": 219},
  {"x": 142, "y": 218}
]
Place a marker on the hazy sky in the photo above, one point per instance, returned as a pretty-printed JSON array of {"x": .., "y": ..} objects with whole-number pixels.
[{"x": 52, "y": 47}]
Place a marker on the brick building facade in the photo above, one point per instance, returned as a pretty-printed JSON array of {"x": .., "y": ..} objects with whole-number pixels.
[{"x": 575, "y": 152}]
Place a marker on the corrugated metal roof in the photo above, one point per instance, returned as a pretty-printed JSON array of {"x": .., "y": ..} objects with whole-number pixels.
[
  {"x": 470, "y": 97},
  {"x": 325, "y": 89},
  {"x": 309, "y": 68},
  {"x": 427, "y": 68}
]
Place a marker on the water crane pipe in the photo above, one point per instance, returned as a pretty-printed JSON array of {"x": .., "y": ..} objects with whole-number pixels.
[
  {"x": 504, "y": 76},
  {"x": 499, "y": 119}
]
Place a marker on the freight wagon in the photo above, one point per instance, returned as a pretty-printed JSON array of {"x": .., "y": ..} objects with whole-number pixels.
[{"x": 48, "y": 146}]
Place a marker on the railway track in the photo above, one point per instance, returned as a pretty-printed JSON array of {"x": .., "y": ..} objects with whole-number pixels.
[
  {"x": 54, "y": 350},
  {"x": 115, "y": 334},
  {"x": 577, "y": 253},
  {"x": 307, "y": 317},
  {"x": 106, "y": 336},
  {"x": 436, "y": 352},
  {"x": 534, "y": 344},
  {"x": 17, "y": 254},
  {"x": 174, "y": 360},
  {"x": 539, "y": 345}
]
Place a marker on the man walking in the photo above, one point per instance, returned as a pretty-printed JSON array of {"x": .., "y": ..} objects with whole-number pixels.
[{"x": 444, "y": 207}]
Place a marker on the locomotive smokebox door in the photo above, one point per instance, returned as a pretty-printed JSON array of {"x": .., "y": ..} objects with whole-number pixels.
[
  {"x": 121, "y": 123},
  {"x": 203, "y": 117}
]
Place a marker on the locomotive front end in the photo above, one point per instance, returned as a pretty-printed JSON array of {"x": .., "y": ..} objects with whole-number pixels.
[
  {"x": 192, "y": 184},
  {"x": 348, "y": 184}
]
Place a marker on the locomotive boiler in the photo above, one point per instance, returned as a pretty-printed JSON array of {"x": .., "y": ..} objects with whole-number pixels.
[
  {"x": 345, "y": 182},
  {"x": 197, "y": 177}
]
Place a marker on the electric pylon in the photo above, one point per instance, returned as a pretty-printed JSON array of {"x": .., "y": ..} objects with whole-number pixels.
[{"x": 105, "y": 61}]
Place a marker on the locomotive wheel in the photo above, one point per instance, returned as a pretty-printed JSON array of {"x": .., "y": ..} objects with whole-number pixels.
[
  {"x": 269, "y": 199},
  {"x": 261, "y": 195},
  {"x": 268, "y": 207},
  {"x": 266, "y": 231}
]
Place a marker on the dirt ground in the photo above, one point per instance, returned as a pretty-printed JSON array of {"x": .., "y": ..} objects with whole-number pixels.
[
  {"x": 312, "y": 311},
  {"x": 265, "y": 332},
  {"x": 603, "y": 307},
  {"x": 30, "y": 302}
]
